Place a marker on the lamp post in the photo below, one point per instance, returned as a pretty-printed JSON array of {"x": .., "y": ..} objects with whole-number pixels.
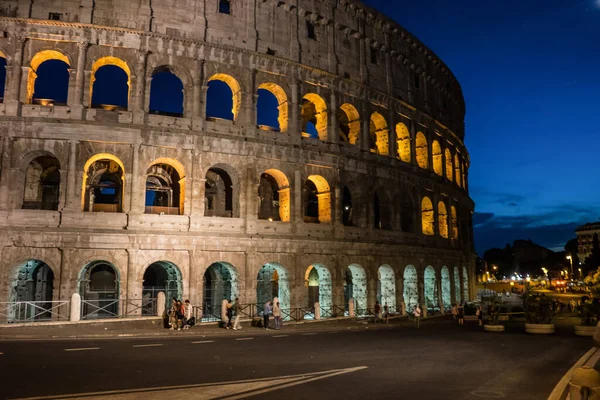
[
  {"x": 571, "y": 263},
  {"x": 580, "y": 274}
]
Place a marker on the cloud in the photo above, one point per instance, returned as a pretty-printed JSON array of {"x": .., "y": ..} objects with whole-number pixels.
[{"x": 515, "y": 204}]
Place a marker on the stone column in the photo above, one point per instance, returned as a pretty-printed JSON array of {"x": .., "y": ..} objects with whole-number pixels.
[
  {"x": 196, "y": 185},
  {"x": 137, "y": 183},
  {"x": 421, "y": 285},
  {"x": 294, "y": 114},
  {"x": 400, "y": 304},
  {"x": 12, "y": 94},
  {"x": 76, "y": 99},
  {"x": 372, "y": 291},
  {"x": 462, "y": 283},
  {"x": 365, "y": 138},
  {"x": 393, "y": 140},
  {"x": 137, "y": 90},
  {"x": 71, "y": 200},
  {"x": 334, "y": 136},
  {"x": 7, "y": 149},
  {"x": 298, "y": 216},
  {"x": 438, "y": 284}
]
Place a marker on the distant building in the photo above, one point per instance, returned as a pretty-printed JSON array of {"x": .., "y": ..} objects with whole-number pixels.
[{"x": 585, "y": 235}]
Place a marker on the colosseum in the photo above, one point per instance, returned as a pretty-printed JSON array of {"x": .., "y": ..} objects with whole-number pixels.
[{"x": 210, "y": 149}]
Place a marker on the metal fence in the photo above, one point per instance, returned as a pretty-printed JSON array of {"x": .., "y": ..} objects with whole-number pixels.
[
  {"x": 101, "y": 309},
  {"x": 34, "y": 311}
]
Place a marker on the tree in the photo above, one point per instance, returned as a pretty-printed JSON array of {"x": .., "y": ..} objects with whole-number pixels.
[{"x": 572, "y": 248}]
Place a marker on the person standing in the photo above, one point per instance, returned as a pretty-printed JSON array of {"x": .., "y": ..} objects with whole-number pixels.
[
  {"x": 417, "y": 315},
  {"x": 277, "y": 315},
  {"x": 229, "y": 315},
  {"x": 454, "y": 311},
  {"x": 266, "y": 312},
  {"x": 235, "y": 308},
  {"x": 386, "y": 314},
  {"x": 479, "y": 314},
  {"x": 378, "y": 317},
  {"x": 461, "y": 314},
  {"x": 188, "y": 321}
]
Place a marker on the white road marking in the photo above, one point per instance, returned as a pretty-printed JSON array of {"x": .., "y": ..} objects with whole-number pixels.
[
  {"x": 83, "y": 349},
  {"x": 245, "y": 338},
  {"x": 203, "y": 341},
  {"x": 309, "y": 334},
  {"x": 147, "y": 345},
  {"x": 281, "y": 336}
]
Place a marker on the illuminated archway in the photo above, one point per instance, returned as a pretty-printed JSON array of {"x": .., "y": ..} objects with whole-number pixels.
[
  {"x": 277, "y": 111},
  {"x": 317, "y": 279},
  {"x": 454, "y": 219},
  {"x": 449, "y": 165},
  {"x": 386, "y": 287},
  {"x": 443, "y": 219},
  {"x": 314, "y": 117},
  {"x": 220, "y": 281},
  {"x": 221, "y": 193},
  {"x": 33, "y": 282},
  {"x": 103, "y": 184},
  {"x": 355, "y": 287},
  {"x": 167, "y": 95},
  {"x": 430, "y": 285},
  {"x": 379, "y": 135},
  {"x": 273, "y": 282},
  {"x": 437, "y": 156},
  {"x": 408, "y": 212},
  {"x": 422, "y": 151},
  {"x": 349, "y": 124},
  {"x": 110, "y": 83},
  {"x": 427, "y": 217},
  {"x": 218, "y": 99},
  {"x": 48, "y": 79},
  {"x": 42, "y": 184},
  {"x": 403, "y": 140},
  {"x": 98, "y": 286},
  {"x": 411, "y": 288},
  {"x": 465, "y": 278},
  {"x": 457, "y": 170},
  {"x": 317, "y": 200},
  {"x": 165, "y": 187},
  {"x": 457, "y": 293},
  {"x": 446, "y": 292},
  {"x": 274, "y": 196},
  {"x": 161, "y": 276}
]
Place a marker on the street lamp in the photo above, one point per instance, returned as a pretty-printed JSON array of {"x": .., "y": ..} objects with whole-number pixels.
[
  {"x": 570, "y": 262},
  {"x": 579, "y": 273}
]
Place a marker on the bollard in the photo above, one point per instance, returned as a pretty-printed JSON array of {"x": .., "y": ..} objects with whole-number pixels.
[
  {"x": 317, "y": 310},
  {"x": 585, "y": 384},
  {"x": 75, "y": 314},
  {"x": 403, "y": 308},
  {"x": 351, "y": 308},
  {"x": 161, "y": 303}
]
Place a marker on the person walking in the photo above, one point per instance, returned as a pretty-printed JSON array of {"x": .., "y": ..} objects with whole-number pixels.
[
  {"x": 417, "y": 315},
  {"x": 235, "y": 308},
  {"x": 479, "y": 314},
  {"x": 386, "y": 314},
  {"x": 266, "y": 312},
  {"x": 229, "y": 315},
  {"x": 277, "y": 315},
  {"x": 461, "y": 314},
  {"x": 188, "y": 319},
  {"x": 378, "y": 317},
  {"x": 454, "y": 311}
]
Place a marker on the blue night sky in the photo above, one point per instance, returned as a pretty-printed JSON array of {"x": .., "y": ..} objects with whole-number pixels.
[{"x": 530, "y": 73}]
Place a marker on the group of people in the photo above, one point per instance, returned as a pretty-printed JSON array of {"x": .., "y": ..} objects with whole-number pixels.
[
  {"x": 381, "y": 314},
  {"x": 458, "y": 313},
  {"x": 180, "y": 315},
  {"x": 232, "y": 315}
]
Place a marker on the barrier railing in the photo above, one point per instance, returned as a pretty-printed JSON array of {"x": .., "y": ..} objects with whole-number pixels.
[{"x": 34, "y": 311}]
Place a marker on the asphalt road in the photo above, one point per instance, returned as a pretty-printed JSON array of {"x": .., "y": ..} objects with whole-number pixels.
[{"x": 438, "y": 361}]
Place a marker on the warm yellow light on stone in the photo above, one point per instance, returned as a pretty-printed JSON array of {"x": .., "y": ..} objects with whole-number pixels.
[
  {"x": 36, "y": 61},
  {"x": 324, "y": 197},
  {"x": 320, "y": 114},
  {"x": 421, "y": 150},
  {"x": 403, "y": 140},
  {"x": 353, "y": 122},
  {"x": 454, "y": 220},
  {"x": 449, "y": 166},
  {"x": 457, "y": 171},
  {"x": 88, "y": 164},
  {"x": 284, "y": 191},
  {"x": 436, "y": 155},
  {"x": 282, "y": 104},
  {"x": 236, "y": 91},
  {"x": 379, "y": 134},
  {"x": 109, "y": 60},
  {"x": 182, "y": 177},
  {"x": 443, "y": 220},
  {"x": 427, "y": 217}
]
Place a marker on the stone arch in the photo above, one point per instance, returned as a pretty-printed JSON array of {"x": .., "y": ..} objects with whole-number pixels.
[
  {"x": 457, "y": 292},
  {"x": 314, "y": 116},
  {"x": 349, "y": 124},
  {"x": 221, "y": 192},
  {"x": 379, "y": 135},
  {"x": 411, "y": 287},
  {"x": 98, "y": 285},
  {"x": 382, "y": 210},
  {"x": 446, "y": 290},
  {"x": 457, "y": 170},
  {"x": 408, "y": 211},
  {"x": 167, "y": 92},
  {"x": 32, "y": 283},
  {"x": 220, "y": 282},
  {"x": 427, "y": 217},
  {"x": 437, "y": 158},
  {"x": 236, "y": 93},
  {"x": 442, "y": 219},
  {"x": 165, "y": 187},
  {"x": 274, "y": 196},
  {"x": 273, "y": 282},
  {"x": 317, "y": 280},
  {"x": 42, "y": 182},
  {"x": 355, "y": 287},
  {"x": 282, "y": 105},
  {"x": 160, "y": 276},
  {"x": 465, "y": 278},
  {"x": 454, "y": 219},
  {"x": 449, "y": 165},
  {"x": 116, "y": 91},
  {"x": 403, "y": 140},
  {"x": 422, "y": 151},
  {"x": 37, "y": 78},
  {"x": 430, "y": 287},
  {"x": 386, "y": 287},
  {"x": 317, "y": 200},
  {"x": 103, "y": 184}
]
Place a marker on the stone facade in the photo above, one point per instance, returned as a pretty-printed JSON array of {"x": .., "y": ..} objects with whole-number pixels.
[{"x": 387, "y": 173}]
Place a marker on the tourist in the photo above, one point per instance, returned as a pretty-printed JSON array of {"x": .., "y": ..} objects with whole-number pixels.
[
  {"x": 461, "y": 314},
  {"x": 454, "y": 311},
  {"x": 229, "y": 315},
  {"x": 266, "y": 312},
  {"x": 479, "y": 314},
  {"x": 386, "y": 313},
  {"x": 378, "y": 316},
  {"x": 235, "y": 308},
  {"x": 188, "y": 319},
  {"x": 417, "y": 315},
  {"x": 180, "y": 314},
  {"x": 277, "y": 316},
  {"x": 173, "y": 314}
]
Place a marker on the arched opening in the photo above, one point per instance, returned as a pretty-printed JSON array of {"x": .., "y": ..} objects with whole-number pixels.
[
  {"x": 274, "y": 196},
  {"x": 2, "y": 76},
  {"x": 98, "y": 286},
  {"x": 386, "y": 287},
  {"x": 457, "y": 292},
  {"x": 42, "y": 184},
  {"x": 103, "y": 185},
  {"x": 449, "y": 167},
  {"x": 219, "y": 194},
  {"x": 457, "y": 170},
  {"x": 317, "y": 200},
  {"x": 166, "y": 93},
  {"x": 431, "y": 292},
  {"x": 437, "y": 156},
  {"x": 427, "y": 217},
  {"x": 422, "y": 150},
  {"x": 411, "y": 288},
  {"x": 164, "y": 190},
  {"x": 273, "y": 282},
  {"x": 318, "y": 282},
  {"x": 349, "y": 124},
  {"x": 465, "y": 284},
  {"x": 314, "y": 117},
  {"x": 272, "y": 108},
  {"x": 454, "y": 222},
  {"x": 355, "y": 287},
  {"x": 32, "y": 291},
  {"x": 347, "y": 207},
  {"x": 443, "y": 219},
  {"x": 110, "y": 84},
  {"x": 382, "y": 213},
  {"x": 161, "y": 276},
  {"x": 379, "y": 135},
  {"x": 220, "y": 283},
  {"x": 407, "y": 213},
  {"x": 403, "y": 140},
  {"x": 446, "y": 292},
  {"x": 48, "y": 80},
  {"x": 223, "y": 97}
]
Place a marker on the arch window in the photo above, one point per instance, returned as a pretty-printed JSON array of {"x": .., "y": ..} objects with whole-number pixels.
[
  {"x": 443, "y": 220},
  {"x": 224, "y": 6},
  {"x": 314, "y": 117},
  {"x": 427, "y": 217},
  {"x": 273, "y": 283},
  {"x": 2, "y": 76},
  {"x": 48, "y": 79},
  {"x": 465, "y": 284},
  {"x": 381, "y": 212},
  {"x": 34, "y": 282},
  {"x": 110, "y": 84},
  {"x": 347, "y": 216},
  {"x": 164, "y": 189},
  {"x": 349, "y": 124},
  {"x": 355, "y": 287},
  {"x": 457, "y": 292},
  {"x": 220, "y": 194},
  {"x": 379, "y": 135},
  {"x": 411, "y": 288},
  {"x": 223, "y": 97},
  {"x": 166, "y": 93},
  {"x": 42, "y": 184},
  {"x": 457, "y": 170},
  {"x": 272, "y": 108},
  {"x": 386, "y": 287},
  {"x": 431, "y": 289},
  {"x": 98, "y": 286},
  {"x": 407, "y": 214},
  {"x": 318, "y": 282},
  {"x": 454, "y": 219},
  {"x": 422, "y": 151},
  {"x": 220, "y": 283},
  {"x": 161, "y": 276},
  {"x": 103, "y": 185},
  {"x": 449, "y": 165},
  {"x": 274, "y": 195},
  {"x": 446, "y": 292},
  {"x": 403, "y": 140},
  {"x": 317, "y": 200},
  {"x": 437, "y": 158}
]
